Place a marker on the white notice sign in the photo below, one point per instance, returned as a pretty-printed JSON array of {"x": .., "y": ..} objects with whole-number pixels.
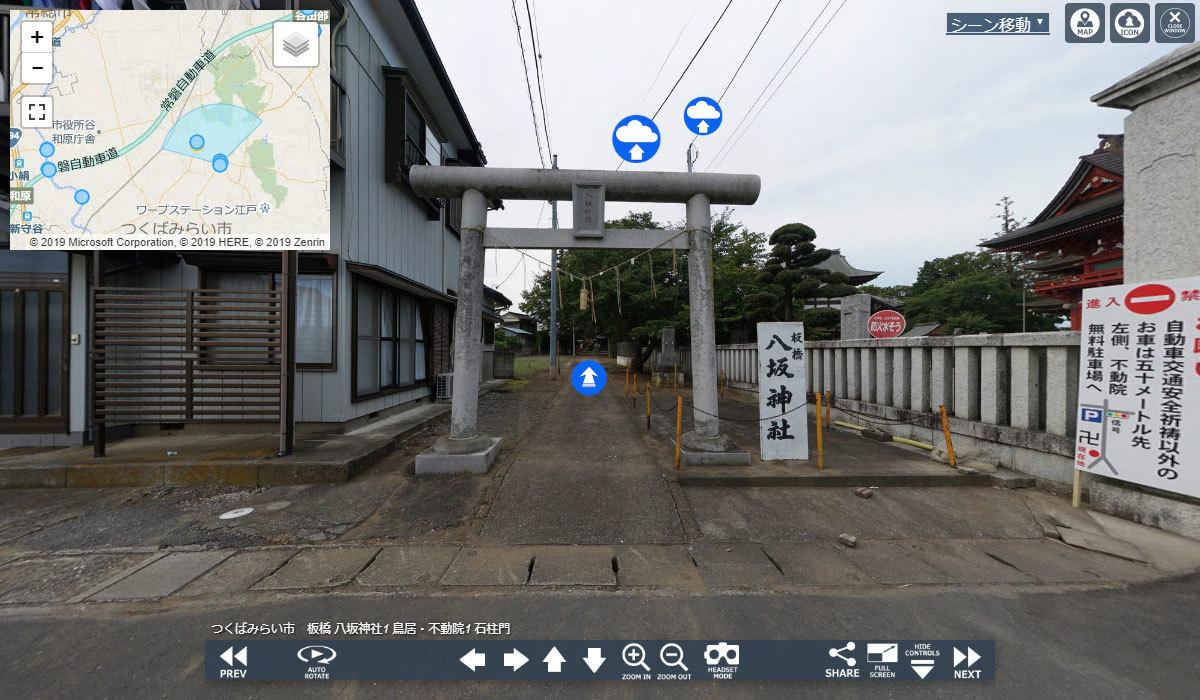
[
  {"x": 782, "y": 386},
  {"x": 1139, "y": 384}
]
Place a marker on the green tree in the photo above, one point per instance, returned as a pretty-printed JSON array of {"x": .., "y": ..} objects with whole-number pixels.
[
  {"x": 975, "y": 292},
  {"x": 899, "y": 292},
  {"x": 790, "y": 274},
  {"x": 738, "y": 256},
  {"x": 643, "y": 308}
]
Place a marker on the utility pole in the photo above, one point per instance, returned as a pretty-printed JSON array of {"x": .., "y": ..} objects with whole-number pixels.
[
  {"x": 691, "y": 157},
  {"x": 554, "y": 286}
]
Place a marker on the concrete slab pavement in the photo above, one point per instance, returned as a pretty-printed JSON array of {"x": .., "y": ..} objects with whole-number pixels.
[
  {"x": 668, "y": 566},
  {"x": 319, "y": 568},
  {"x": 492, "y": 566},
  {"x": 163, "y": 576},
  {"x": 735, "y": 565},
  {"x": 821, "y": 514},
  {"x": 815, "y": 564},
  {"x": 584, "y": 565},
  {"x": 53, "y": 579},
  {"x": 238, "y": 573},
  {"x": 408, "y": 566}
]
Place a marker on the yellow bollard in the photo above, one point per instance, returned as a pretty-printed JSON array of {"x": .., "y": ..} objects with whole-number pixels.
[
  {"x": 828, "y": 403},
  {"x": 678, "y": 427},
  {"x": 820, "y": 437},
  {"x": 647, "y": 406},
  {"x": 946, "y": 430}
]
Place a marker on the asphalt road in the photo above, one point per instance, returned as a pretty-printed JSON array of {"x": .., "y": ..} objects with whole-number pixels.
[{"x": 1135, "y": 643}]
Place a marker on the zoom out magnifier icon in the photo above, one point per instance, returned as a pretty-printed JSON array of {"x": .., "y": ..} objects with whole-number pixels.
[{"x": 672, "y": 655}]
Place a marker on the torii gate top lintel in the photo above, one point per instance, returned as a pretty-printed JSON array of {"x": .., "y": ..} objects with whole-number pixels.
[{"x": 619, "y": 186}]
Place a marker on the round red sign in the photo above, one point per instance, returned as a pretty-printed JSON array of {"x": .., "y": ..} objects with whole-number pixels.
[
  {"x": 885, "y": 324},
  {"x": 1150, "y": 298}
]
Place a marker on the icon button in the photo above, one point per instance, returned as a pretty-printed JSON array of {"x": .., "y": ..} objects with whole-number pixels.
[
  {"x": 1128, "y": 24},
  {"x": 850, "y": 660},
  {"x": 634, "y": 655},
  {"x": 36, "y": 37},
  {"x": 515, "y": 659},
  {"x": 474, "y": 659},
  {"x": 317, "y": 654},
  {"x": 295, "y": 44},
  {"x": 36, "y": 112},
  {"x": 722, "y": 653},
  {"x": 37, "y": 68},
  {"x": 970, "y": 657},
  {"x": 1175, "y": 22},
  {"x": 229, "y": 656},
  {"x": 883, "y": 653},
  {"x": 672, "y": 655},
  {"x": 594, "y": 659},
  {"x": 1085, "y": 22}
]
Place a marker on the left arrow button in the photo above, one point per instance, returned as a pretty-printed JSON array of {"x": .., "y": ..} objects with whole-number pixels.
[{"x": 474, "y": 659}]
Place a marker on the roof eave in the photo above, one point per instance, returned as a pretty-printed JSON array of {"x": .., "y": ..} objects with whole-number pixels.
[{"x": 439, "y": 68}]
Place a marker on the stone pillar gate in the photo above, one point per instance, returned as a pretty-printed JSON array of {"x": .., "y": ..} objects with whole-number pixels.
[{"x": 465, "y": 448}]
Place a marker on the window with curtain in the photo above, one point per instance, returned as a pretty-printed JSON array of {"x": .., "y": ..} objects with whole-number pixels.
[
  {"x": 389, "y": 340},
  {"x": 314, "y": 310}
]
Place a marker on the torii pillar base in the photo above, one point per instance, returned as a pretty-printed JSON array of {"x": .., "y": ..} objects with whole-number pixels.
[
  {"x": 448, "y": 455},
  {"x": 719, "y": 451}
]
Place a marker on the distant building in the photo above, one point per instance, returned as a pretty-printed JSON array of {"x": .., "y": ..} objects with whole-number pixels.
[
  {"x": 838, "y": 263},
  {"x": 524, "y": 327},
  {"x": 1077, "y": 239}
]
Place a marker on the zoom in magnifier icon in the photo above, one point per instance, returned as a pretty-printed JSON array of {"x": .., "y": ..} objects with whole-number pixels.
[
  {"x": 634, "y": 655},
  {"x": 672, "y": 655}
]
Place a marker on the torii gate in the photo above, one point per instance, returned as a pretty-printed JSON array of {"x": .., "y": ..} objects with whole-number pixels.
[{"x": 465, "y": 448}]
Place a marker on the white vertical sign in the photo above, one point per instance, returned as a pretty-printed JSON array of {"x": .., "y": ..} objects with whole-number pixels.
[
  {"x": 782, "y": 387},
  {"x": 1139, "y": 384}
]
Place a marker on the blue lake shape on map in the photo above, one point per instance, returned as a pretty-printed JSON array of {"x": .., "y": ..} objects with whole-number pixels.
[{"x": 224, "y": 127}]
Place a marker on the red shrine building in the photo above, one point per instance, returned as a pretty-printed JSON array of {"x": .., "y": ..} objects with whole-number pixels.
[{"x": 1076, "y": 242}]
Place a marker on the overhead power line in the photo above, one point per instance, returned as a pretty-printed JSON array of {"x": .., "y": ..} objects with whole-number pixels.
[
  {"x": 528, "y": 86},
  {"x": 747, "y": 55},
  {"x": 537, "y": 67},
  {"x": 752, "y": 45},
  {"x": 670, "y": 52},
  {"x": 688, "y": 66},
  {"x": 781, "y": 82},
  {"x": 815, "y": 39},
  {"x": 778, "y": 70}
]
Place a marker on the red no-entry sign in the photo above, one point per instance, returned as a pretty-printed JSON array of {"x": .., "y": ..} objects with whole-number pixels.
[
  {"x": 885, "y": 324},
  {"x": 1150, "y": 298}
]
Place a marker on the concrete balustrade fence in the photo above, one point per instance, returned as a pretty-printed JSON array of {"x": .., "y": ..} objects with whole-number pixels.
[{"x": 1009, "y": 395}]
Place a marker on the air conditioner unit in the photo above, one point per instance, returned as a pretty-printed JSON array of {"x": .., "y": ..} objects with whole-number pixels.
[{"x": 445, "y": 385}]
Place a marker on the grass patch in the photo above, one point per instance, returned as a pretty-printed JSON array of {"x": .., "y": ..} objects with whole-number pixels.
[{"x": 525, "y": 366}]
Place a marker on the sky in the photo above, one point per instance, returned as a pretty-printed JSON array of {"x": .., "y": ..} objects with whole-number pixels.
[{"x": 890, "y": 139}]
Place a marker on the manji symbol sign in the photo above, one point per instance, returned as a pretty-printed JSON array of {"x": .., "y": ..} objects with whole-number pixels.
[{"x": 1139, "y": 384}]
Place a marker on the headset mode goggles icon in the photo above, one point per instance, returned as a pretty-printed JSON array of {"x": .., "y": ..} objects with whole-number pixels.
[{"x": 714, "y": 654}]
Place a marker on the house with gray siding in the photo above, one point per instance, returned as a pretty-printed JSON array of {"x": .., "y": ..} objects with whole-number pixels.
[{"x": 373, "y": 314}]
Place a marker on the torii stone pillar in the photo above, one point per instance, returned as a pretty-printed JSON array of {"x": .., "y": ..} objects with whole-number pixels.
[{"x": 465, "y": 448}]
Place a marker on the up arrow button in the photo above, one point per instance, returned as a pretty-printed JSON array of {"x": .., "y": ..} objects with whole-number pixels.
[{"x": 554, "y": 660}]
